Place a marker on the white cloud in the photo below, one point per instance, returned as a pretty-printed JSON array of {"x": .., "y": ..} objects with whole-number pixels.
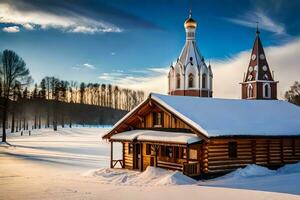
[
  {"x": 29, "y": 27},
  {"x": 89, "y": 66},
  {"x": 11, "y": 29},
  {"x": 113, "y": 53},
  {"x": 76, "y": 68},
  {"x": 35, "y": 19},
  {"x": 84, "y": 66},
  {"x": 159, "y": 70},
  {"x": 265, "y": 22},
  {"x": 148, "y": 80},
  {"x": 228, "y": 73}
]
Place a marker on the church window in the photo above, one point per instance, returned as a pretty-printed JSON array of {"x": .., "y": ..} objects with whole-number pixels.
[
  {"x": 210, "y": 82},
  {"x": 265, "y": 68},
  {"x": 203, "y": 80},
  {"x": 178, "y": 81},
  {"x": 191, "y": 34},
  {"x": 191, "y": 80},
  {"x": 249, "y": 91},
  {"x": 266, "y": 90}
]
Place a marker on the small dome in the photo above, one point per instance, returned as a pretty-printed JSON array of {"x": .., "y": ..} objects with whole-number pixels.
[{"x": 190, "y": 23}]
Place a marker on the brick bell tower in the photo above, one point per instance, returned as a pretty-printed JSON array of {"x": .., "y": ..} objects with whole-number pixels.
[{"x": 258, "y": 81}]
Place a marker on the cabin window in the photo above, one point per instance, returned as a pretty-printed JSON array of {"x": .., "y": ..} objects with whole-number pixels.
[
  {"x": 232, "y": 149},
  {"x": 203, "y": 80},
  {"x": 176, "y": 152},
  {"x": 130, "y": 148},
  {"x": 183, "y": 153},
  {"x": 157, "y": 119},
  {"x": 162, "y": 151},
  {"x": 191, "y": 80},
  {"x": 178, "y": 81},
  {"x": 169, "y": 152},
  {"x": 148, "y": 149},
  {"x": 193, "y": 154}
]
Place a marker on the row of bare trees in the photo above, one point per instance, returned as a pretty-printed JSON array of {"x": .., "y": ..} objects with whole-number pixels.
[
  {"x": 105, "y": 95},
  {"x": 56, "y": 101}
]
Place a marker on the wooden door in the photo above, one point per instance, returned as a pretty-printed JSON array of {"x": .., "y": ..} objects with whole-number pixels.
[{"x": 137, "y": 156}]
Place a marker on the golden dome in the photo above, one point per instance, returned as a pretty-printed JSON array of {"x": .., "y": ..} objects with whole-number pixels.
[{"x": 190, "y": 22}]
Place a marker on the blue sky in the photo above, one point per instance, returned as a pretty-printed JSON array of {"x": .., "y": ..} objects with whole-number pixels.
[{"x": 108, "y": 41}]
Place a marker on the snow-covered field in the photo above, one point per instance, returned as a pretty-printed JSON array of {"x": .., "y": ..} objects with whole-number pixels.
[{"x": 72, "y": 164}]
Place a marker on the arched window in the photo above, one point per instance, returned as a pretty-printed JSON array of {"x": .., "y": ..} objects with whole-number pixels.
[
  {"x": 178, "y": 81},
  {"x": 249, "y": 91},
  {"x": 203, "y": 80},
  {"x": 266, "y": 90},
  {"x": 191, "y": 80},
  {"x": 210, "y": 82}
]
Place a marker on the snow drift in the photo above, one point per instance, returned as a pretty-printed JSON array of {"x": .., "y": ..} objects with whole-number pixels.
[
  {"x": 250, "y": 171},
  {"x": 150, "y": 177}
]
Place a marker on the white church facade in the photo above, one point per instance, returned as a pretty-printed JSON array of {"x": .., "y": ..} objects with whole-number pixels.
[{"x": 190, "y": 76}]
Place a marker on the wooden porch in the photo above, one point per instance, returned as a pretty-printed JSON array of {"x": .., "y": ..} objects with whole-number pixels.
[{"x": 140, "y": 155}]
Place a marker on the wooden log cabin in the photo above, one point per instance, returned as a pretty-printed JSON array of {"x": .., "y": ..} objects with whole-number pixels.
[{"x": 207, "y": 136}]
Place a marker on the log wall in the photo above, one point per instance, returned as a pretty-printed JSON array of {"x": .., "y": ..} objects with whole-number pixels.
[
  {"x": 261, "y": 151},
  {"x": 128, "y": 158}
]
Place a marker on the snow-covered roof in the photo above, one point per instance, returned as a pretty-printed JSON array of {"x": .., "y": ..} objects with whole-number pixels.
[
  {"x": 157, "y": 136},
  {"x": 223, "y": 117}
]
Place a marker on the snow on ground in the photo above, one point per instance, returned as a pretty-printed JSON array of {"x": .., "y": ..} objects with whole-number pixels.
[
  {"x": 72, "y": 164},
  {"x": 150, "y": 177},
  {"x": 285, "y": 179}
]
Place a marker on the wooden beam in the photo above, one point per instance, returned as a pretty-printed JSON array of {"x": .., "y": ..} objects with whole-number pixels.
[
  {"x": 111, "y": 154},
  {"x": 141, "y": 157},
  {"x": 140, "y": 118},
  {"x": 187, "y": 154},
  {"x": 156, "y": 151},
  {"x": 123, "y": 150},
  {"x": 150, "y": 103}
]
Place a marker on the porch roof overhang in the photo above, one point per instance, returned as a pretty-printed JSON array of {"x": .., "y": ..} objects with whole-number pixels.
[{"x": 157, "y": 136}]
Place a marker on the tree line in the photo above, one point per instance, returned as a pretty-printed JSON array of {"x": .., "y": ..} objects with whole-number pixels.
[
  {"x": 55, "y": 102},
  {"x": 105, "y": 95}
]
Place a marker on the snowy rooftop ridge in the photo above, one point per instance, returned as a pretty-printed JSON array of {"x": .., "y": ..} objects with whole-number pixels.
[
  {"x": 223, "y": 117},
  {"x": 154, "y": 136},
  {"x": 227, "y": 117}
]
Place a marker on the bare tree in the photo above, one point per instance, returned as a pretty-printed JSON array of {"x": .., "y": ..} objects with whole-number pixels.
[
  {"x": 293, "y": 95},
  {"x": 13, "y": 71}
]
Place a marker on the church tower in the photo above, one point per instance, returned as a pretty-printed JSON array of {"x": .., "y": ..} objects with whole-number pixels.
[
  {"x": 190, "y": 76},
  {"x": 258, "y": 81}
]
